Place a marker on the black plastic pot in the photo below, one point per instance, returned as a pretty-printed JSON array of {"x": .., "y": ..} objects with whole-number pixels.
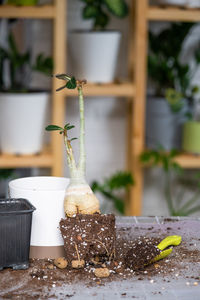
[{"x": 15, "y": 232}]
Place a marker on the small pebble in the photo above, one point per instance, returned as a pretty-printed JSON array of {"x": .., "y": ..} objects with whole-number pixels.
[{"x": 102, "y": 272}]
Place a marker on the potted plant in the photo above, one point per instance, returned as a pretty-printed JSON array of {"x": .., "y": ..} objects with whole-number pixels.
[
  {"x": 15, "y": 230},
  {"x": 93, "y": 54},
  {"x": 22, "y": 111},
  {"x": 85, "y": 231},
  {"x": 176, "y": 182},
  {"x": 173, "y": 92}
]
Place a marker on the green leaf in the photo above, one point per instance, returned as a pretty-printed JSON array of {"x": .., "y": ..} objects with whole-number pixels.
[
  {"x": 66, "y": 125},
  {"x": 71, "y": 84},
  {"x": 119, "y": 180},
  {"x": 63, "y": 77},
  {"x": 74, "y": 139},
  {"x": 53, "y": 127},
  {"x": 89, "y": 11},
  {"x": 118, "y": 8},
  {"x": 69, "y": 127}
]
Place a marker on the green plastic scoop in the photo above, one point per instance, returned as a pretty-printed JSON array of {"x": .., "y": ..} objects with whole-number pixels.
[{"x": 172, "y": 240}]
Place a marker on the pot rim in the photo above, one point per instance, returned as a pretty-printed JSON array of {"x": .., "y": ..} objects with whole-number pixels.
[{"x": 17, "y": 184}]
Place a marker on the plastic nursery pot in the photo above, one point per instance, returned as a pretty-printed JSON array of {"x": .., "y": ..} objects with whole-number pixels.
[
  {"x": 47, "y": 195},
  {"x": 15, "y": 231},
  {"x": 191, "y": 137},
  {"x": 22, "y": 2}
]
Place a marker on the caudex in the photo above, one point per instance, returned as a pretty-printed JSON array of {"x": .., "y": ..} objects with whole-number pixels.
[{"x": 79, "y": 197}]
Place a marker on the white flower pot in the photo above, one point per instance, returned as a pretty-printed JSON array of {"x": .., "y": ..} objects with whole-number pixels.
[
  {"x": 22, "y": 121},
  {"x": 47, "y": 194},
  {"x": 93, "y": 55}
]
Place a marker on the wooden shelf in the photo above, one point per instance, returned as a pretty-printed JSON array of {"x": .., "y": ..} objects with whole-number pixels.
[
  {"x": 43, "y": 160},
  {"x": 27, "y": 12},
  {"x": 156, "y": 13},
  {"x": 189, "y": 161},
  {"x": 108, "y": 89}
]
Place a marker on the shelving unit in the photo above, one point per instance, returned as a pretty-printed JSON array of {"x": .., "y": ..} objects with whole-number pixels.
[
  {"x": 135, "y": 90},
  {"x": 143, "y": 14},
  {"x": 50, "y": 156}
]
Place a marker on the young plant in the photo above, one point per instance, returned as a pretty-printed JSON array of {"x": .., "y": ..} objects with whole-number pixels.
[
  {"x": 79, "y": 196},
  {"x": 174, "y": 201},
  {"x": 98, "y": 11},
  {"x": 18, "y": 67},
  {"x": 112, "y": 187}
]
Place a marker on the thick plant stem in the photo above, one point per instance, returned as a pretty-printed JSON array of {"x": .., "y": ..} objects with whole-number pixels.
[{"x": 82, "y": 157}]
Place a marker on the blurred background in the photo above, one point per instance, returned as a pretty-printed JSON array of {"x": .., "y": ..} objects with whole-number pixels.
[{"x": 171, "y": 106}]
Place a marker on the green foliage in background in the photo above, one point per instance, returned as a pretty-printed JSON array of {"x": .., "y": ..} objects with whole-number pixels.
[
  {"x": 6, "y": 173},
  {"x": 166, "y": 160},
  {"x": 111, "y": 187},
  {"x": 19, "y": 66},
  {"x": 22, "y": 2},
  {"x": 99, "y": 11},
  {"x": 171, "y": 77}
]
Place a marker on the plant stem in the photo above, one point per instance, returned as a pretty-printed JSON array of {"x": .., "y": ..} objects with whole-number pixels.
[
  {"x": 82, "y": 157},
  {"x": 168, "y": 193}
]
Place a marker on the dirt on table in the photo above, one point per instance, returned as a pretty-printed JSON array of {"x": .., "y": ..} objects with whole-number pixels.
[{"x": 43, "y": 277}]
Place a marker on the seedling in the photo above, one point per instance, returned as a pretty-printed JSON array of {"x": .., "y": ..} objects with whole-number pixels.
[{"x": 79, "y": 196}]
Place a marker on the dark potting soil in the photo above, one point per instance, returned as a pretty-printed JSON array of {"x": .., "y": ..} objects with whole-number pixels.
[
  {"x": 43, "y": 280},
  {"x": 87, "y": 236}
]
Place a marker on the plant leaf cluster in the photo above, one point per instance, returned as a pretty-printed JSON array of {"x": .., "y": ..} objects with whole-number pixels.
[
  {"x": 20, "y": 66},
  {"x": 99, "y": 11},
  {"x": 111, "y": 187},
  {"x": 166, "y": 160},
  {"x": 165, "y": 69},
  {"x": 70, "y": 84},
  {"x": 62, "y": 130}
]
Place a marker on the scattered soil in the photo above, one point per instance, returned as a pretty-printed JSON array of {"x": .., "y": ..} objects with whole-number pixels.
[{"x": 43, "y": 280}]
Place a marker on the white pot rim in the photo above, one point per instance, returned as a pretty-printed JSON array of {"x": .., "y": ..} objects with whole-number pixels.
[
  {"x": 98, "y": 32},
  {"x": 17, "y": 183}
]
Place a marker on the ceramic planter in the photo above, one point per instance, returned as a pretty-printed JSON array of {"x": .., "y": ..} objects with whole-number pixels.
[
  {"x": 47, "y": 195},
  {"x": 15, "y": 230},
  {"x": 163, "y": 127},
  {"x": 22, "y": 122},
  {"x": 191, "y": 137},
  {"x": 93, "y": 55}
]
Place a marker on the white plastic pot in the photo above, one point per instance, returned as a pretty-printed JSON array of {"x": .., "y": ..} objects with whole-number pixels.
[
  {"x": 22, "y": 121},
  {"x": 47, "y": 194},
  {"x": 93, "y": 55}
]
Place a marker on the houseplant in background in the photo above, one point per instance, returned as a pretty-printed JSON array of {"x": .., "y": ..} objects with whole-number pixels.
[
  {"x": 93, "y": 53},
  {"x": 176, "y": 182},
  {"x": 114, "y": 190},
  {"x": 172, "y": 81},
  {"x": 22, "y": 111}
]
